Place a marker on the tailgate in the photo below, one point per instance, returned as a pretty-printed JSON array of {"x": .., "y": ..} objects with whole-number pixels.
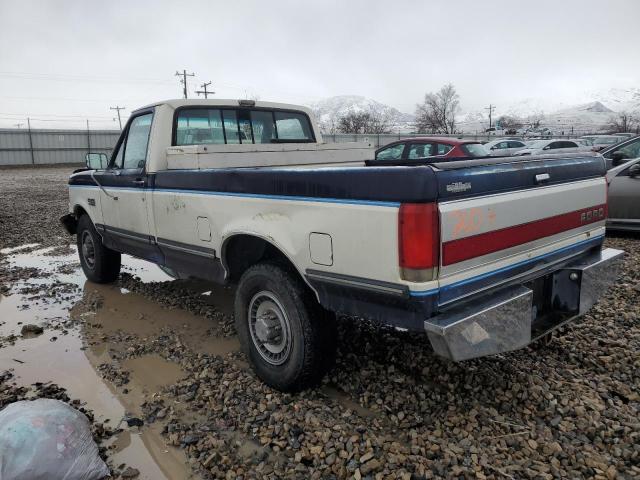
[{"x": 499, "y": 221}]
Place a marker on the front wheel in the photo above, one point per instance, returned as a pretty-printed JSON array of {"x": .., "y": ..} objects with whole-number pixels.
[
  {"x": 289, "y": 338},
  {"x": 99, "y": 263}
]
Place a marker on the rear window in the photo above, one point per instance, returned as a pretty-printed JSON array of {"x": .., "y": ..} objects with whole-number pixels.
[
  {"x": 203, "y": 126},
  {"x": 474, "y": 150}
]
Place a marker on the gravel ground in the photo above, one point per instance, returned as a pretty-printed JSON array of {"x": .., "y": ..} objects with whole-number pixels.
[{"x": 390, "y": 408}]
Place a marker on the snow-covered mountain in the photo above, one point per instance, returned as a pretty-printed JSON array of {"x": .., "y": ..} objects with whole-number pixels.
[
  {"x": 619, "y": 99},
  {"x": 588, "y": 111},
  {"x": 329, "y": 110}
]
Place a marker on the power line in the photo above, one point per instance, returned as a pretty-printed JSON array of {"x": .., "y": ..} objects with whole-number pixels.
[
  {"x": 82, "y": 78},
  {"x": 22, "y": 116},
  {"x": 118, "y": 108},
  {"x": 183, "y": 80},
  {"x": 204, "y": 90}
]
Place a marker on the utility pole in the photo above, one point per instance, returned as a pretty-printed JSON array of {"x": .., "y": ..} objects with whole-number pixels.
[
  {"x": 183, "y": 80},
  {"x": 491, "y": 108},
  {"x": 118, "y": 108},
  {"x": 19, "y": 125},
  {"x": 33, "y": 158},
  {"x": 204, "y": 90},
  {"x": 88, "y": 138}
]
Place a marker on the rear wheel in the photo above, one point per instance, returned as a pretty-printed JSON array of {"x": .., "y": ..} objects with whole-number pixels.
[
  {"x": 99, "y": 263},
  {"x": 289, "y": 338}
]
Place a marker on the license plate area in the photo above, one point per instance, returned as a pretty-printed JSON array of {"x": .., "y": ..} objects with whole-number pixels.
[{"x": 556, "y": 299}]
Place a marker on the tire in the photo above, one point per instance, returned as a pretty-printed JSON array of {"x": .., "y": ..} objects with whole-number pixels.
[
  {"x": 99, "y": 263},
  {"x": 288, "y": 337}
]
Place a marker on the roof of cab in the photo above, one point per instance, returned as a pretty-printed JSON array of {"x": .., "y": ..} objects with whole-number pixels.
[{"x": 219, "y": 102}]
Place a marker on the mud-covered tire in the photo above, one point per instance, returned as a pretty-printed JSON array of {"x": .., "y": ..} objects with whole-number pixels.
[
  {"x": 99, "y": 263},
  {"x": 311, "y": 329}
]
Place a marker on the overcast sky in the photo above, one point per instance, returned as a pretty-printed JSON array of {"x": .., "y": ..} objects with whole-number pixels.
[{"x": 63, "y": 61}]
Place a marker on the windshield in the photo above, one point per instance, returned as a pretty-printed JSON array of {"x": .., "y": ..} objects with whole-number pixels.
[{"x": 474, "y": 150}]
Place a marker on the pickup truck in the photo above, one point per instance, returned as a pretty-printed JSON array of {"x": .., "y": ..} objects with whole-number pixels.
[{"x": 482, "y": 255}]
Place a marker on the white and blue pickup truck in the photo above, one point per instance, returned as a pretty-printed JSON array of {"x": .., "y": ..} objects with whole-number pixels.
[{"x": 483, "y": 255}]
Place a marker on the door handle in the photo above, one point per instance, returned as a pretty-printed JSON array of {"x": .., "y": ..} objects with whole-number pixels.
[{"x": 139, "y": 182}]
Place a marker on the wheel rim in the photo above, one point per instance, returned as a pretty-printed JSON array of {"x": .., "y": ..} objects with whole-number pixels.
[
  {"x": 88, "y": 250},
  {"x": 269, "y": 328}
]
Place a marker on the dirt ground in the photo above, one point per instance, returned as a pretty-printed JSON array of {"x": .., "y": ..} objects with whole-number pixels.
[{"x": 156, "y": 366}]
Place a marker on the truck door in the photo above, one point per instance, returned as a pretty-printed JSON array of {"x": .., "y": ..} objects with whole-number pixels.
[{"x": 123, "y": 197}]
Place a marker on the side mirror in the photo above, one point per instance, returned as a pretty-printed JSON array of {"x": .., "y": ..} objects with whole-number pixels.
[
  {"x": 634, "y": 170},
  {"x": 96, "y": 161},
  {"x": 618, "y": 158},
  {"x": 547, "y": 147}
]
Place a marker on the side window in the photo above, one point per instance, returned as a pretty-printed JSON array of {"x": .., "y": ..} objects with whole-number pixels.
[
  {"x": 133, "y": 150},
  {"x": 632, "y": 150},
  {"x": 293, "y": 126},
  {"x": 554, "y": 145},
  {"x": 443, "y": 149},
  {"x": 391, "y": 153},
  {"x": 514, "y": 144},
  {"x": 420, "y": 150},
  {"x": 199, "y": 126}
]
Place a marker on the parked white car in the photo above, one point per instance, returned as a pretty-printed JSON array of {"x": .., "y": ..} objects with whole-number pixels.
[
  {"x": 504, "y": 147},
  {"x": 552, "y": 146}
]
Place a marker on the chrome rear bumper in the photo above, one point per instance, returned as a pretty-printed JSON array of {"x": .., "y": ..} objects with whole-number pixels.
[{"x": 508, "y": 319}]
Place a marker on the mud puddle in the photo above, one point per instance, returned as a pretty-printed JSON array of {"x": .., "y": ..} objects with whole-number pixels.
[{"x": 82, "y": 324}]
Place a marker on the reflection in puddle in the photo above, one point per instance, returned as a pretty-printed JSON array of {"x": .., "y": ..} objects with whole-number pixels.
[
  {"x": 81, "y": 321},
  {"x": 152, "y": 372}
]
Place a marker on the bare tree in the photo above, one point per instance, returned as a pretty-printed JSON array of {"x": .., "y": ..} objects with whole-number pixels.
[
  {"x": 624, "y": 122},
  {"x": 508, "y": 122},
  {"x": 535, "y": 119},
  {"x": 365, "y": 122},
  {"x": 437, "y": 114}
]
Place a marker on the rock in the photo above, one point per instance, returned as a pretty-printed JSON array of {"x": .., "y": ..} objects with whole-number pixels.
[
  {"x": 210, "y": 459},
  {"x": 366, "y": 457},
  {"x": 370, "y": 466},
  {"x": 190, "y": 440},
  {"x": 130, "y": 472},
  {"x": 31, "y": 328},
  {"x": 134, "y": 421}
]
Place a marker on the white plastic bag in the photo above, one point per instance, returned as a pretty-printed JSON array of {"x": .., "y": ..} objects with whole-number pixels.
[{"x": 47, "y": 439}]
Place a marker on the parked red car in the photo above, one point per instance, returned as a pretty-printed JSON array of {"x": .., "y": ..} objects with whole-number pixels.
[{"x": 425, "y": 147}]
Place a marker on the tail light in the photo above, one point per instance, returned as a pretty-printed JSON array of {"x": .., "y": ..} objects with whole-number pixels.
[{"x": 418, "y": 241}]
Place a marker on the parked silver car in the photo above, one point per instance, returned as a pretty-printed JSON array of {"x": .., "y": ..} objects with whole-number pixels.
[
  {"x": 539, "y": 147},
  {"x": 624, "y": 196},
  {"x": 504, "y": 147}
]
